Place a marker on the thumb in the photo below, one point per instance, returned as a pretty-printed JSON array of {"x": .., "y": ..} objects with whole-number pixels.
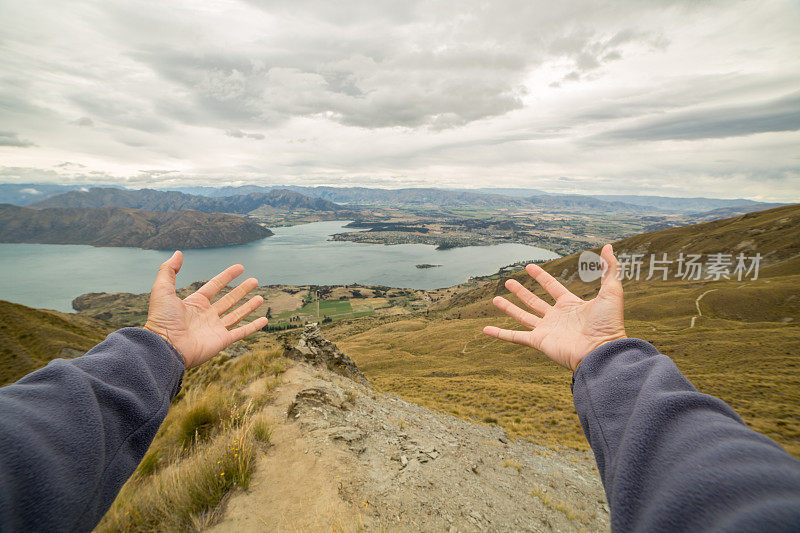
[
  {"x": 168, "y": 271},
  {"x": 611, "y": 282}
]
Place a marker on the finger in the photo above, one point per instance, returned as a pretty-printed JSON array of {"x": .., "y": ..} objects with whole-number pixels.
[
  {"x": 548, "y": 282},
  {"x": 510, "y": 335},
  {"x": 610, "y": 281},
  {"x": 522, "y": 317},
  {"x": 248, "y": 329},
  {"x": 210, "y": 289},
  {"x": 235, "y": 316},
  {"x": 527, "y": 297},
  {"x": 230, "y": 299},
  {"x": 167, "y": 272}
]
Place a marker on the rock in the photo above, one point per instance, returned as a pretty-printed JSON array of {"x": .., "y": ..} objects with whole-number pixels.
[
  {"x": 347, "y": 434},
  {"x": 315, "y": 397},
  {"x": 316, "y": 350},
  {"x": 235, "y": 350}
]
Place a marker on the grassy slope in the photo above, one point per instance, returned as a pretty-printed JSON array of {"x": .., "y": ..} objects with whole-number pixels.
[
  {"x": 205, "y": 448},
  {"x": 29, "y": 338},
  {"x": 743, "y": 350}
]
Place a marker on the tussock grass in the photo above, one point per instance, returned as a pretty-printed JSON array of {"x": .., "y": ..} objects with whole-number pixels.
[
  {"x": 512, "y": 464},
  {"x": 183, "y": 495},
  {"x": 555, "y": 505},
  {"x": 260, "y": 430},
  {"x": 205, "y": 448}
]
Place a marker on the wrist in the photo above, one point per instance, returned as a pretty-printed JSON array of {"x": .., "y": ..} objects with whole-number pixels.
[
  {"x": 598, "y": 344},
  {"x": 158, "y": 331}
]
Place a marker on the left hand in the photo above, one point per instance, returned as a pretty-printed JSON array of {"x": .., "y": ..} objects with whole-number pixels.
[
  {"x": 195, "y": 326},
  {"x": 569, "y": 329}
]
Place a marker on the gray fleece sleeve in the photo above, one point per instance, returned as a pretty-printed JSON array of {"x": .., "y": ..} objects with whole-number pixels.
[
  {"x": 74, "y": 431},
  {"x": 673, "y": 459}
]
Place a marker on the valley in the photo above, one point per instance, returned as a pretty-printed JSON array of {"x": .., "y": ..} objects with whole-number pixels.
[{"x": 440, "y": 404}]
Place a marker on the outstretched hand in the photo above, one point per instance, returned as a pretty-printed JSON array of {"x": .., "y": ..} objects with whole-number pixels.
[
  {"x": 194, "y": 326},
  {"x": 571, "y": 328}
]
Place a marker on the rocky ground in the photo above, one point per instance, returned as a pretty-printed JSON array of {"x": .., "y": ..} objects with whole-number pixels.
[{"x": 346, "y": 457}]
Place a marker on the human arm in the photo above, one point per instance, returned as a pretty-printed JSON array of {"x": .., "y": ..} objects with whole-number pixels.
[
  {"x": 674, "y": 459},
  {"x": 670, "y": 458},
  {"x": 73, "y": 432}
]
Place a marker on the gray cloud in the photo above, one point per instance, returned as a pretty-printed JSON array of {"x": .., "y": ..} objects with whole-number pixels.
[
  {"x": 9, "y": 138},
  {"x": 405, "y": 93},
  {"x": 776, "y": 115},
  {"x": 239, "y": 134},
  {"x": 84, "y": 121}
]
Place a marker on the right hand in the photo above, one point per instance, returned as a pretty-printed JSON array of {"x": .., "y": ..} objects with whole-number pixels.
[
  {"x": 571, "y": 328},
  {"x": 197, "y": 328}
]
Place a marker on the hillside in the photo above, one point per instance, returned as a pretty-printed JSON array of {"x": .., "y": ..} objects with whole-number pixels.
[
  {"x": 153, "y": 200},
  {"x": 118, "y": 226},
  {"x": 738, "y": 340},
  {"x": 29, "y": 338},
  {"x": 317, "y": 448}
]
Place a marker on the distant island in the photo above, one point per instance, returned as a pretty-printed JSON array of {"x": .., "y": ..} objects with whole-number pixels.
[
  {"x": 427, "y": 265},
  {"x": 124, "y": 227}
]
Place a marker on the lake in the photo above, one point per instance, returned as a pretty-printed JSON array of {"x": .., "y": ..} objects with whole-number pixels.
[{"x": 51, "y": 275}]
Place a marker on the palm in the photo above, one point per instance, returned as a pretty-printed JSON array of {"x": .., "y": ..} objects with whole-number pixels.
[
  {"x": 197, "y": 328},
  {"x": 571, "y": 328}
]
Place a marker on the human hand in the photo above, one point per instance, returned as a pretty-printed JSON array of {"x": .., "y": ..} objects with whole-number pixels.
[
  {"x": 567, "y": 331},
  {"x": 195, "y": 326}
]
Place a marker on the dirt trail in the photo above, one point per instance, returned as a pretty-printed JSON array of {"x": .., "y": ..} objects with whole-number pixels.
[
  {"x": 294, "y": 486},
  {"x": 345, "y": 457},
  {"x": 697, "y": 305}
]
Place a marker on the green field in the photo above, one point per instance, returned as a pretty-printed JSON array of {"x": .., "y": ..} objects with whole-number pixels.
[{"x": 335, "y": 309}]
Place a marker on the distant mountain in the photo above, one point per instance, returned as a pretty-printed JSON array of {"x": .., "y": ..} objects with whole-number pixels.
[
  {"x": 119, "y": 226},
  {"x": 153, "y": 200},
  {"x": 431, "y": 198},
  {"x": 28, "y": 193},
  {"x": 508, "y": 191},
  {"x": 247, "y": 198},
  {"x": 219, "y": 192},
  {"x": 411, "y": 197},
  {"x": 682, "y": 205},
  {"x": 733, "y": 211},
  {"x": 585, "y": 204}
]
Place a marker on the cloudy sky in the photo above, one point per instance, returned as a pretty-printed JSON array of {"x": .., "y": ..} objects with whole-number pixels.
[{"x": 671, "y": 98}]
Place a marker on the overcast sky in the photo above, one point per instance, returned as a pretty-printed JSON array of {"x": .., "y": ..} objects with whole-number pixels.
[{"x": 672, "y": 98}]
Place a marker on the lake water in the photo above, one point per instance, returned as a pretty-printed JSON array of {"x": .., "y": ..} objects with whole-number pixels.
[{"x": 51, "y": 275}]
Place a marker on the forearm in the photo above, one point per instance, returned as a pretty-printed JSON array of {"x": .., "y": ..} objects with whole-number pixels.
[
  {"x": 672, "y": 458},
  {"x": 74, "y": 431}
]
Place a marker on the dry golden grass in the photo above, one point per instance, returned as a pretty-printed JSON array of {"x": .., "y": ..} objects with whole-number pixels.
[
  {"x": 204, "y": 449},
  {"x": 184, "y": 495},
  {"x": 740, "y": 351},
  {"x": 30, "y": 338},
  {"x": 556, "y": 505}
]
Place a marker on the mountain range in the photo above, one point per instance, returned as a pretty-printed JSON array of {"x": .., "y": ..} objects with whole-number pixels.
[
  {"x": 153, "y": 200},
  {"x": 121, "y": 226},
  {"x": 246, "y": 198},
  {"x": 331, "y": 199}
]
